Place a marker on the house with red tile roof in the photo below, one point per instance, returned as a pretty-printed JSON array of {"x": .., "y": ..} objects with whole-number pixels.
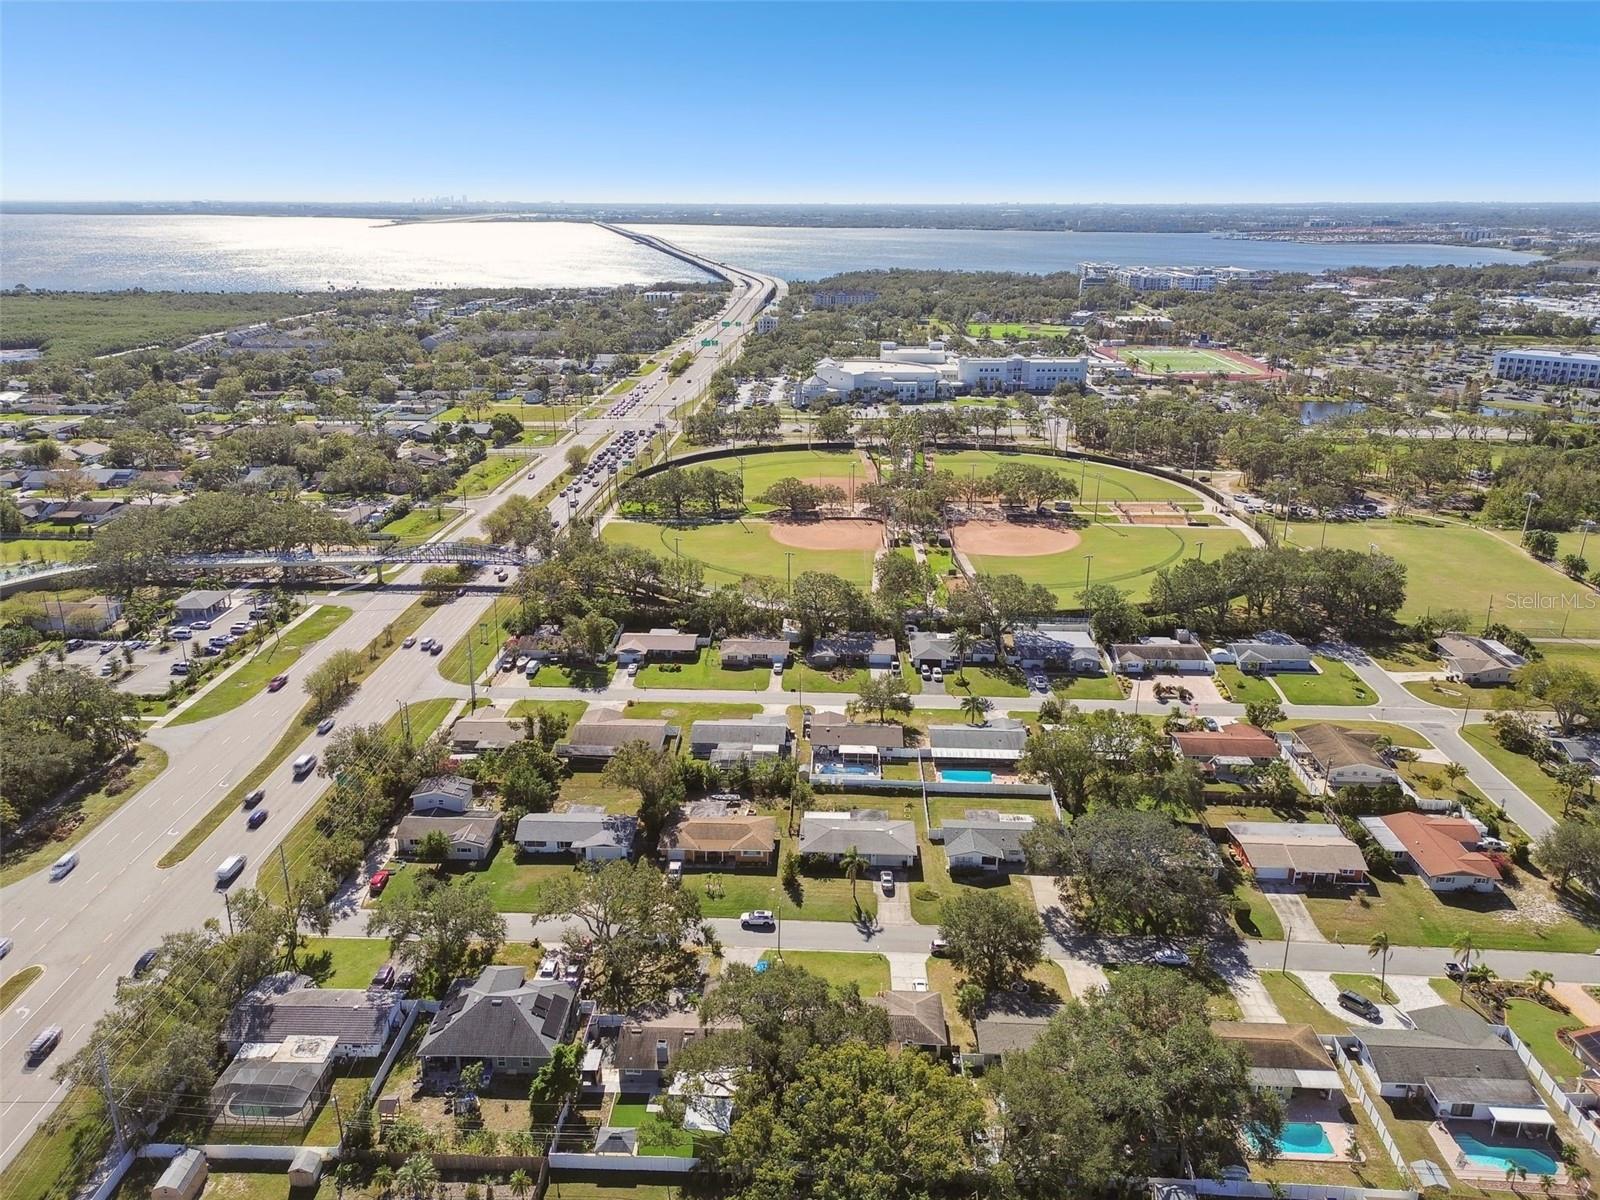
[{"x": 1443, "y": 851}]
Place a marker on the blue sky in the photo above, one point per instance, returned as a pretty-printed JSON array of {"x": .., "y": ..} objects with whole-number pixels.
[{"x": 777, "y": 102}]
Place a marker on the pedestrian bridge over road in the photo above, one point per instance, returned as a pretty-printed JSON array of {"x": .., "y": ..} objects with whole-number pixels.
[{"x": 349, "y": 562}]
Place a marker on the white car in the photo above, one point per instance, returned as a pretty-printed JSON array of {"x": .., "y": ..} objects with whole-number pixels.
[
  {"x": 62, "y": 867},
  {"x": 1168, "y": 957},
  {"x": 1040, "y": 683},
  {"x": 758, "y": 918},
  {"x": 886, "y": 880},
  {"x": 938, "y": 675}
]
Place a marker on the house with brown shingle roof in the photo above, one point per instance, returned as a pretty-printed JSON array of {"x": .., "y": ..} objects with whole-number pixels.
[
  {"x": 602, "y": 732},
  {"x": 1298, "y": 852},
  {"x": 916, "y": 1019},
  {"x": 711, "y": 832},
  {"x": 1337, "y": 757},
  {"x": 753, "y": 651},
  {"x": 1443, "y": 851},
  {"x": 1285, "y": 1059},
  {"x": 1229, "y": 753}
]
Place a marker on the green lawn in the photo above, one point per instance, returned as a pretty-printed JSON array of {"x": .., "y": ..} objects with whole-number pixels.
[
  {"x": 822, "y": 896},
  {"x": 421, "y": 523},
  {"x": 954, "y": 808},
  {"x": 17, "y": 984},
  {"x": 1125, "y": 555},
  {"x": 1519, "y": 768},
  {"x": 842, "y": 680},
  {"x": 21, "y": 857},
  {"x": 683, "y": 714},
  {"x": 1247, "y": 689},
  {"x": 1164, "y": 360},
  {"x": 869, "y": 972},
  {"x": 1028, "y": 331},
  {"x": 762, "y": 470},
  {"x": 343, "y": 962},
  {"x": 1571, "y": 653},
  {"x": 704, "y": 672},
  {"x": 1085, "y": 687},
  {"x": 75, "y": 325},
  {"x": 514, "y": 882},
  {"x": 18, "y": 550},
  {"x": 1430, "y": 782},
  {"x": 1334, "y": 683},
  {"x": 733, "y": 550},
  {"x": 1414, "y": 916},
  {"x": 1456, "y": 567},
  {"x": 1257, "y": 919},
  {"x": 272, "y": 657},
  {"x": 1297, "y": 1005},
  {"x": 489, "y": 474},
  {"x": 1110, "y": 483},
  {"x": 1459, "y": 695},
  {"x": 1398, "y": 735},
  {"x": 1537, "y": 1026},
  {"x": 572, "y": 710},
  {"x": 592, "y": 677},
  {"x": 984, "y": 681},
  {"x": 62, "y": 1153}
]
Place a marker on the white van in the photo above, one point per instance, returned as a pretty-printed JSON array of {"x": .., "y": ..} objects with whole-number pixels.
[
  {"x": 228, "y": 870},
  {"x": 63, "y": 865},
  {"x": 304, "y": 765}
]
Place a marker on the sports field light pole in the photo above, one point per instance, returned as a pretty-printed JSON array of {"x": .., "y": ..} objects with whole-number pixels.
[
  {"x": 1199, "y": 551},
  {"x": 1088, "y": 561},
  {"x": 1588, "y": 528},
  {"x": 1533, "y": 498},
  {"x": 789, "y": 569}
]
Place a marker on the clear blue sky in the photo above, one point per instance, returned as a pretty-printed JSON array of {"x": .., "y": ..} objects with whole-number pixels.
[{"x": 776, "y": 102}]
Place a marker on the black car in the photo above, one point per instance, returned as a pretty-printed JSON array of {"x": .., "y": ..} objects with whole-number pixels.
[
  {"x": 39, "y": 1049},
  {"x": 145, "y": 962},
  {"x": 256, "y": 819},
  {"x": 255, "y": 797},
  {"x": 1360, "y": 1005}
]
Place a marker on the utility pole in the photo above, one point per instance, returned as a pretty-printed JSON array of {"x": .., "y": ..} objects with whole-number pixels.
[
  {"x": 405, "y": 721},
  {"x": 111, "y": 1098},
  {"x": 228, "y": 908},
  {"x": 472, "y": 676}
]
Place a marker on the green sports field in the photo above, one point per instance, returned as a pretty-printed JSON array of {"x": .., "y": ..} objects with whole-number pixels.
[
  {"x": 999, "y": 330},
  {"x": 1125, "y": 555},
  {"x": 1163, "y": 360},
  {"x": 731, "y": 550},
  {"x": 1452, "y": 566},
  {"x": 1110, "y": 483},
  {"x": 761, "y": 471}
]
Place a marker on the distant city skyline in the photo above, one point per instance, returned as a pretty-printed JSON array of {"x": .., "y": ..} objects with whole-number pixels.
[{"x": 795, "y": 104}]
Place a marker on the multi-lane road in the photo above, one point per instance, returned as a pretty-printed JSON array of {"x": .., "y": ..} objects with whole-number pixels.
[{"x": 87, "y": 929}]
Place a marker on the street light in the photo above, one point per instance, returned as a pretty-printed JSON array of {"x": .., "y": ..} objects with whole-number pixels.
[
  {"x": 1588, "y": 528},
  {"x": 1533, "y": 498}
]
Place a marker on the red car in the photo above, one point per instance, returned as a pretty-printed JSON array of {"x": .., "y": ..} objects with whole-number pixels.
[
  {"x": 277, "y": 682},
  {"x": 380, "y": 880}
]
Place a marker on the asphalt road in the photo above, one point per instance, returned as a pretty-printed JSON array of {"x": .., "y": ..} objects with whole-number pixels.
[{"x": 87, "y": 929}]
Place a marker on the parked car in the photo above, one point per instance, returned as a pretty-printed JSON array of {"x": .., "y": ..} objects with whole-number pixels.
[
  {"x": 199, "y": 624},
  {"x": 1360, "y": 1005},
  {"x": 675, "y": 873},
  {"x": 275, "y": 684},
  {"x": 255, "y": 798},
  {"x": 1169, "y": 956},
  {"x": 325, "y": 725},
  {"x": 256, "y": 819},
  {"x": 384, "y": 976},
  {"x": 1040, "y": 683},
  {"x": 1455, "y": 970},
  {"x": 758, "y": 918},
  {"x": 938, "y": 947},
  {"x": 938, "y": 675},
  {"x": 886, "y": 881},
  {"x": 181, "y": 667},
  {"x": 379, "y": 881}
]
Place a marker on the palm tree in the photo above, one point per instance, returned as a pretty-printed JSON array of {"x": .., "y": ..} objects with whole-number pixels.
[
  {"x": 1378, "y": 948},
  {"x": 961, "y": 642},
  {"x": 1540, "y": 980},
  {"x": 1463, "y": 948},
  {"x": 1455, "y": 773},
  {"x": 853, "y": 862},
  {"x": 975, "y": 707},
  {"x": 383, "y": 1179},
  {"x": 520, "y": 1182}
]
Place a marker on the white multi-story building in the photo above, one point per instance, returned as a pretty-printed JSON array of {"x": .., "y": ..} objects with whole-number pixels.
[
  {"x": 1169, "y": 279},
  {"x": 912, "y": 374},
  {"x": 767, "y": 322},
  {"x": 1020, "y": 373},
  {"x": 1581, "y": 367},
  {"x": 905, "y": 382}
]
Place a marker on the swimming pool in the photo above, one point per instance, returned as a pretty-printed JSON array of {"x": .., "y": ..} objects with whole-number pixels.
[
  {"x": 967, "y": 775},
  {"x": 1300, "y": 1137},
  {"x": 1481, "y": 1154},
  {"x": 846, "y": 769}
]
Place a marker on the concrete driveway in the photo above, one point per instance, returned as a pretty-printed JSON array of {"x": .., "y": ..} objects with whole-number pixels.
[
  {"x": 1295, "y": 917},
  {"x": 895, "y": 909}
]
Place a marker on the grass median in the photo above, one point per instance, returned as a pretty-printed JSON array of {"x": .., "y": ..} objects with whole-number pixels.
[
  {"x": 304, "y": 721},
  {"x": 17, "y": 984},
  {"x": 270, "y": 659}
]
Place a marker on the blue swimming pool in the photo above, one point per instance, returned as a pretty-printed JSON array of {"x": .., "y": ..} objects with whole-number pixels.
[
  {"x": 967, "y": 775},
  {"x": 1300, "y": 1137},
  {"x": 846, "y": 769},
  {"x": 1481, "y": 1154}
]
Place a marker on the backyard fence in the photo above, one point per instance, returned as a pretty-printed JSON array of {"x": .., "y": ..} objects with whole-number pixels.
[
  {"x": 414, "y": 1008},
  {"x": 1586, "y": 1129},
  {"x": 632, "y": 1164},
  {"x": 1288, "y": 1191},
  {"x": 1352, "y": 1079}
]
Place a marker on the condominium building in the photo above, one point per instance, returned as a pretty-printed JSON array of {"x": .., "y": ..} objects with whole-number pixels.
[{"x": 1581, "y": 367}]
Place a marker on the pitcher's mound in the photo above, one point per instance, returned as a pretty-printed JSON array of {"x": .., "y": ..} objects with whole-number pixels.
[
  {"x": 828, "y": 535},
  {"x": 1017, "y": 541}
]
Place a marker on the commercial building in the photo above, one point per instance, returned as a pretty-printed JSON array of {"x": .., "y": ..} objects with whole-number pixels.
[
  {"x": 1184, "y": 279},
  {"x": 903, "y": 382},
  {"x": 1020, "y": 373},
  {"x": 911, "y": 374},
  {"x": 1580, "y": 367}
]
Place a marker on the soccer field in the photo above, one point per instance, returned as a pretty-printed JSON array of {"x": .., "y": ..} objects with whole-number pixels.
[
  {"x": 761, "y": 471},
  {"x": 733, "y": 549},
  {"x": 1451, "y": 566},
  {"x": 1113, "y": 483},
  {"x": 1125, "y": 555},
  {"x": 999, "y": 330},
  {"x": 1163, "y": 360}
]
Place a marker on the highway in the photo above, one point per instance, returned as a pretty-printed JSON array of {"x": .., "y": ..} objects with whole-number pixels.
[{"x": 87, "y": 929}]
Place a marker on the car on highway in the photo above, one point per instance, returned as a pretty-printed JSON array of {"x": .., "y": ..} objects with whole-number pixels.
[
  {"x": 886, "y": 881},
  {"x": 62, "y": 867},
  {"x": 254, "y": 798},
  {"x": 325, "y": 725},
  {"x": 304, "y": 765},
  {"x": 145, "y": 961},
  {"x": 379, "y": 881},
  {"x": 229, "y": 869},
  {"x": 5, "y": 946},
  {"x": 275, "y": 684},
  {"x": 758, "y": 918},
  {"x": 1357, "y": 1003},
  {"x": 1168, "y": 956},
  {"x": 427, "y": 643},
  {"x": 409, "y": 642},
  {"x": 256, "y": 819},
  {"x": 39, "y": 1049},
  {"x": 436, "y": 649}
]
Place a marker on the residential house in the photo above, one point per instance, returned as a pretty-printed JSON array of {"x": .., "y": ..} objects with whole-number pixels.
[
  {"x": 277, "y": 1085},
  {"x": 473, "y": 834},
  {"x": 833, "y": 731},
  {"x": 1013, "y": 1026},
  {"x": 1585, "y": 1045},
  {"x": 753, "y": 652},
  {"x": 1453, "y": 1061},
  {"x": 1269, "y": 656},
  {"x": 1442, "y": 851},
  {"x": 999, "y": 743},
  {"x": 1160, "y": 656},
  {"x": 938, "y": 650},
  {"x": 1299, "y": 853},
  {"x": 646, "y": 1049},
  {"x": 442, "y": 794},
  {"x": 855, "y": 649},
  {"x": 501, "y": 1020},
  {"x": 1231, "y": 754},
  {"x": 587, "y": 832},
  {"x": 916, "y": 1019},
  {"x": 1062, "y": 647},
  {"x": 284, "y": 1007},
  {"x": 85, "y": 512},
  {"x": 1582, "y": 750},
  {"x": 1473, "y": 660},
  {"x": 604, "y": 731},
  {"x": 1289, "y": 1060},
  {"x": 200, "y": 605},
  {"x": 985, "y": 840},
  {"x": 883, "y": 842},
  {"x": 766, "y": 736},
  {"x": 659, "y": 645},
  {"x": 1334, "y": 757},
  {"x": 714, "y": 832},
  {"x": 486, "y": 729}
]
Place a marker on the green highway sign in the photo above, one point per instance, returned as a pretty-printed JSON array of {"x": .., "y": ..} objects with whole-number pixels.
[{"x": 725, "y": 324}]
